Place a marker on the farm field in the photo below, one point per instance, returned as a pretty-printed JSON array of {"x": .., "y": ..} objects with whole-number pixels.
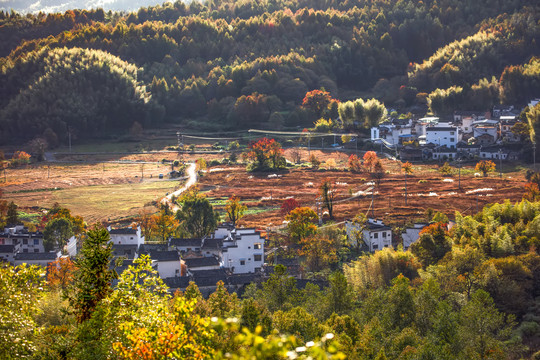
[
  {"x": 426, "y": 189},
  {"x": 108, "y": 187}
]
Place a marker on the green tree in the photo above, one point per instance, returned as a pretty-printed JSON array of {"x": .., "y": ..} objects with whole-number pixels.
[
  {"x": 339, "y": 294},
  {"x": 279, "y": 290},
  {"x": 56, "y": 233},
  {"x": 12, "y": 216},
  {"x": 20, "y": 287},
  {"x": 197, "y": 216},
  {"x": 484, "y": 331},
  {"x": 235, "y": 209},
  {"x": 93, "y": 277},
  {"x": 223, "y": 304}
]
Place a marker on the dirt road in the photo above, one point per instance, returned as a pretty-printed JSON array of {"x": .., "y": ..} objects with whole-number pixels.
[{"x": 192, "y": 179}]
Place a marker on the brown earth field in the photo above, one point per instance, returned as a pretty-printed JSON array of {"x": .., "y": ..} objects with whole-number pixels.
[{"x": 104, "y": 188}]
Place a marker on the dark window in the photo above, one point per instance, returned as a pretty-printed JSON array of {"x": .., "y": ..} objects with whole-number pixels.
[
  {"x": 36, "y": 250},
  {"x": 242, "y": 262},
  {"x": 25, "y": 241},
  {"x": 257, "y": 257},
  {"x": 376, "y": 235},
  {"x": 25, "y": 250},
  {"x": 257, "y": 246},
  {"x": 375, "y": 246}
]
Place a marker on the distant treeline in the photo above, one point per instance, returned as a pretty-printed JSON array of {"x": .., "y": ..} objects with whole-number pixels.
[{"x": 198, "y": 63}]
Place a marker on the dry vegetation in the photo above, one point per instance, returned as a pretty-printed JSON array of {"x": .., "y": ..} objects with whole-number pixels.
[{"x": 105, "y": 190}]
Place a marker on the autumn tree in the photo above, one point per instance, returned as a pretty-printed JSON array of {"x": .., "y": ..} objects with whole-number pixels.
[
  {"x": 20, "y": 158},
  {"x": 164, "y": 225},
  {"x": 317, "y": 101},
  {"x": 370, "y": 159},
  {"x": 289, "y": 205},
  {"x": 321, "y": 250},
  {"x": 327, "y": 191},
  {"x": 60, "y": 273},
  {"x": 301, "y": 224},
  {"x": 354, "y": 164},
  {"x": 265, "y": 154},
  {"x": 235, "y": 209},
  {"x": 485, "y": 166},
  {"x": 407, "y": 168},
  {"x": 532, "y": 192},
  {"x": 378, "y": 171},
  {"x": 432, "y": 245},
  {"x": 315, "y": 162}
]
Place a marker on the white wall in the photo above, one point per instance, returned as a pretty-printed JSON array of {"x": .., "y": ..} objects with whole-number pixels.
[
  {"x": 168, "y": 269},
  {"x": 447, "y": 138},
  {"x": 242, "y": 256}
]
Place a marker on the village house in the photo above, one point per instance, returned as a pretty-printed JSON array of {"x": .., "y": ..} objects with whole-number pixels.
[
  {"x": 168, "y": 263},
  {"x": 375, "y": 234},
  {"x": 411, "y": 235},
  {"x": 28, "y": 241},
  {"x": 442, "y": 136},
  {"x": 8, "y": 252},
  {"x": 39, "y": 258}
]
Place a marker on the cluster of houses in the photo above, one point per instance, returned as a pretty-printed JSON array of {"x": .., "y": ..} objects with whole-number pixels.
[
  {"x": 234, "y": 256},
  {"x": 467, "y": 135}
]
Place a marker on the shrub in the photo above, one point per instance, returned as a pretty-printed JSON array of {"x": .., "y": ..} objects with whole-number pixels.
[{"x": 422, "y": 181}]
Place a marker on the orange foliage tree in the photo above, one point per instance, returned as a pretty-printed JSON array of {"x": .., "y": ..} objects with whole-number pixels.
[
  {"x": 317, "y": 101},
  {"x": 60, "y": 273},
  {"x": 370, "y": 159},
  {"x": 266, "y": 154},
  {"x": 354, "y": 164},
  {"x": 288, "y": 206},
  {"x": 485, "y": 166}
]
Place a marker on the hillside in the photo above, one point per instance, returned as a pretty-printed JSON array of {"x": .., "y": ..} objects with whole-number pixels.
[{"x": 229, "y": 65}]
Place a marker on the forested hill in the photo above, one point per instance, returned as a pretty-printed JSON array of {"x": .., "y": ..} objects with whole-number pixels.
[{"x": 241, "y": 64}]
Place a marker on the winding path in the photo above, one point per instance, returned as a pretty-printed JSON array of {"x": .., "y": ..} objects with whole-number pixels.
[{"x": 192, "y": 179}]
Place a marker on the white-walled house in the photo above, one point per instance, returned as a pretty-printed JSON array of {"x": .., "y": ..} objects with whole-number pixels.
[
  {"x": 202, "y": 263},
  {"x": 28, "y": 241},
  {"x": 375, "y": 234},
  {"x": 243, "y": 251},
  {"x": 38, "y": 258},
  {"x": 411, "y": 235},
  {"x": 8, "y": 252},
  {"x": 126, "y": 236},
  {"x": 442, "y": 136},
  {"x": 168, "y": 263}
]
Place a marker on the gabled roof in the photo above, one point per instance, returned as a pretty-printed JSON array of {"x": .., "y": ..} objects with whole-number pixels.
[
  {"x": 36, "y": 256},
  {"x": 209, "y": 277},
  {"x": 185, "y": 242},
  {"x": 124, "y": 231},
  {"x": 165, "y": 255},
  {"x": 7, "y": 249},
  {"x": 147, "y": 248},
  {"x": 242, "y": 279},
  {"x": 377, "y": 227},
  {"x": 437, "y": 128},
  {"x": 210, "y": 243},
  {"x": 178, "y": 282},
  {"x": 201, "y": 262}
]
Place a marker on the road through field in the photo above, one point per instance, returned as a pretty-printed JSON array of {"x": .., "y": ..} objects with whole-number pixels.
[{"x": 192, "y": 179}]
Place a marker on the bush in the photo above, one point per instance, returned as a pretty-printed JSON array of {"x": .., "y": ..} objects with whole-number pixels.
[
  {"x": 422, "y": 181},
  {"x": 446, "y": 169}
]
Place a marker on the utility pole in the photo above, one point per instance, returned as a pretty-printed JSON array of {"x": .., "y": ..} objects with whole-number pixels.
[
  {"x": 309, "y": 145},
  {"x": 405, "y": 188},
  {"x": 534, "y": 156},
  {"x": 319, "y": 209},
  {"x": 500, "y": 163},
  {"x": 373, "y": 201},
  {"x": 459, "y": 174},
  {"x": 48, "y": 171}
]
